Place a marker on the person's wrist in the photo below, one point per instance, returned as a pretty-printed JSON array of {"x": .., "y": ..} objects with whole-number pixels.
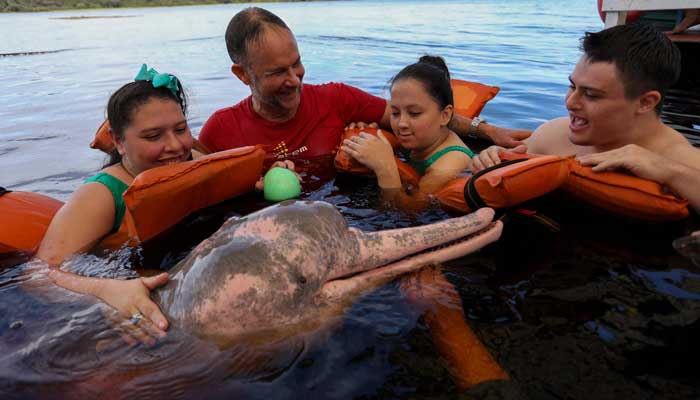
[
  {"x": 96, "y": 287},
  {"x": 383, "y": 168},
  {"x": 478, "y": 127},
  {"x": 672, "y": 173}
]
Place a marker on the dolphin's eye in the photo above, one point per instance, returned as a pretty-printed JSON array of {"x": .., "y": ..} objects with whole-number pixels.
[{"x": 302, "y": 279}]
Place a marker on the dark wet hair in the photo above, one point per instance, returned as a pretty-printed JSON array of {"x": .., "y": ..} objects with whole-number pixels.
[
  {"x": 432, "y": 72},
  {"x": 127, "y": 99},
  {"x": 246, "y": 27},
  {"x": 644, "y": 57}
]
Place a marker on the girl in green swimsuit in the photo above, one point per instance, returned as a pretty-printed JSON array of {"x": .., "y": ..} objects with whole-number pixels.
[
  {"x": 149, "y": 129},
  {"x": 421, "y": 108}
]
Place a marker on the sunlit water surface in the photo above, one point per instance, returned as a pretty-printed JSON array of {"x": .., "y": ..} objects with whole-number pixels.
[{"x": 597, "y": 310}]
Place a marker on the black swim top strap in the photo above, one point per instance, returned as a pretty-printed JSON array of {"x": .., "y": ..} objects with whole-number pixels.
[{"x": 471, "y": 196}]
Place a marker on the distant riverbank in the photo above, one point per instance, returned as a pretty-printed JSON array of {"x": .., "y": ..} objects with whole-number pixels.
[{"x": 52, "y": 5}]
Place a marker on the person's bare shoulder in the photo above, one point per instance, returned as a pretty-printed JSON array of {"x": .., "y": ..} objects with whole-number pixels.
[
  {"x": 684, "y": 153},
  {"x": 551, "y": 138}
]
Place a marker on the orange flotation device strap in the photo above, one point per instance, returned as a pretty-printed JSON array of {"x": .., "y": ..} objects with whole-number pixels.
[
  {"x": 469, "y": 362},
  {"x": 103, "y": 140},
  {"x": 625, "y": 195},
  {"x": 24, "y": 218}
]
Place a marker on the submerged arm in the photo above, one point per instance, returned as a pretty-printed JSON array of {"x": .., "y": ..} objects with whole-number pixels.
[{"x": 83, "y": 221}]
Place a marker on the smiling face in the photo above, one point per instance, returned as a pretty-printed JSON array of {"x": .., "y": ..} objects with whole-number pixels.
[
  {"x": 416, "y": 118},
  {"x": 600, "y": 113},
  {"x": 274, "y": 72},
  {"x": 157, "y": 135}
]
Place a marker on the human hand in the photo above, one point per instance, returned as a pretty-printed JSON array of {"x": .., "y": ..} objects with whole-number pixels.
[
  {"x": 505, "y": 137},
  {"x": 288, "y": 164},
  {"x": 139, "y": 318},
  {"x": 689, "y": 246},
  {"x": 374, "y": 152},
  {"x": 490, "y": 157},
  {"x": 632, "y": 158},
  {"x": 361, "y": 125}
]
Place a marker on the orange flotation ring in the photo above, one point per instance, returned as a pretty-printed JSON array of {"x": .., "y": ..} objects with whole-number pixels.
[
  {"x": 24, "y": 217},
  {"x": 523, "y": 177},
  {"x": 624, "y": 195},
  {"x": 156, "y": 200},
  {"x": 516, "y": 180},
  {"x": 632, "y": 16}
]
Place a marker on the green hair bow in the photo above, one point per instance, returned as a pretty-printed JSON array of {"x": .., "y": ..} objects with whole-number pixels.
[{"x": 159, "y": 80}]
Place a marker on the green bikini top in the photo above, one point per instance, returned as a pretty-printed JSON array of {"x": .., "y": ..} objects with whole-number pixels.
[
  {"x": 117, "y": 188},
  {"x": 422, "y": 165}
]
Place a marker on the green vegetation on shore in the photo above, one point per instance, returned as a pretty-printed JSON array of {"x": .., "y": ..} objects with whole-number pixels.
[{"x": 49, "y": 5}]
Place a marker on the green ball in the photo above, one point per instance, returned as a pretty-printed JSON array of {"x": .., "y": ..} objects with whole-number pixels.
[{"x": 281, "y": 184}]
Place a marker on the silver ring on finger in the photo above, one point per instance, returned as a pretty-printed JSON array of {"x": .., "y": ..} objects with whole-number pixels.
[{"x": 136, "y": 318}]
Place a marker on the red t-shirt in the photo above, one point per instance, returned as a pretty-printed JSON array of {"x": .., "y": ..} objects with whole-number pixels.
[{"x": 314, "y": 131}]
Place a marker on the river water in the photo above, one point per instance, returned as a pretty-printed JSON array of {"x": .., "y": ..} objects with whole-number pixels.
[{"x": 586, "y": 307}]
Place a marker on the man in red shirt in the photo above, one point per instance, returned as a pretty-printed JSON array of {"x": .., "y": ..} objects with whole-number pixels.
[{"x": 290, "y": 119}]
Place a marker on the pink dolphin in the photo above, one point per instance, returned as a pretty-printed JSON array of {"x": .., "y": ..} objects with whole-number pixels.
[{"x": 288, "y": 268}]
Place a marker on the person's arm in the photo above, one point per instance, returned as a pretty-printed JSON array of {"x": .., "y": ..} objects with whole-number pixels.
[
  {"x": 549, "y": 138},
  {"x": 445, "y": 169},
  {"x": 129, "y": 297},
  {"x": 84, "y": 220},
  {"x": 690, "y": 19},
  {"x": 680, "y": 171},
  {"x": 504, "y": 137},
  {"x": 375, "y": 153},
  {"x": 79, "y": 224}
]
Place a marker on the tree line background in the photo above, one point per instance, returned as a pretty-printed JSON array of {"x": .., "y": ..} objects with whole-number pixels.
[{"x": 47, "y": 5}]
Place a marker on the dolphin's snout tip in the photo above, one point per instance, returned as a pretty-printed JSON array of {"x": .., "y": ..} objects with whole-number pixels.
[{"x": 485, "y": 213}]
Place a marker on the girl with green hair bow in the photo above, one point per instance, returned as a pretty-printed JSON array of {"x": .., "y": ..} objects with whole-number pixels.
[{"x": 148, "y": 128}]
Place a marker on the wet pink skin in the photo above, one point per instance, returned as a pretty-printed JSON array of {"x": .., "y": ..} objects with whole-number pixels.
[{"x": 288, "y": 267}]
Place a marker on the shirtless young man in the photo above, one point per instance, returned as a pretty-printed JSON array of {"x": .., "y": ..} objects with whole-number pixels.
[{"x": 614, "y": 105}]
